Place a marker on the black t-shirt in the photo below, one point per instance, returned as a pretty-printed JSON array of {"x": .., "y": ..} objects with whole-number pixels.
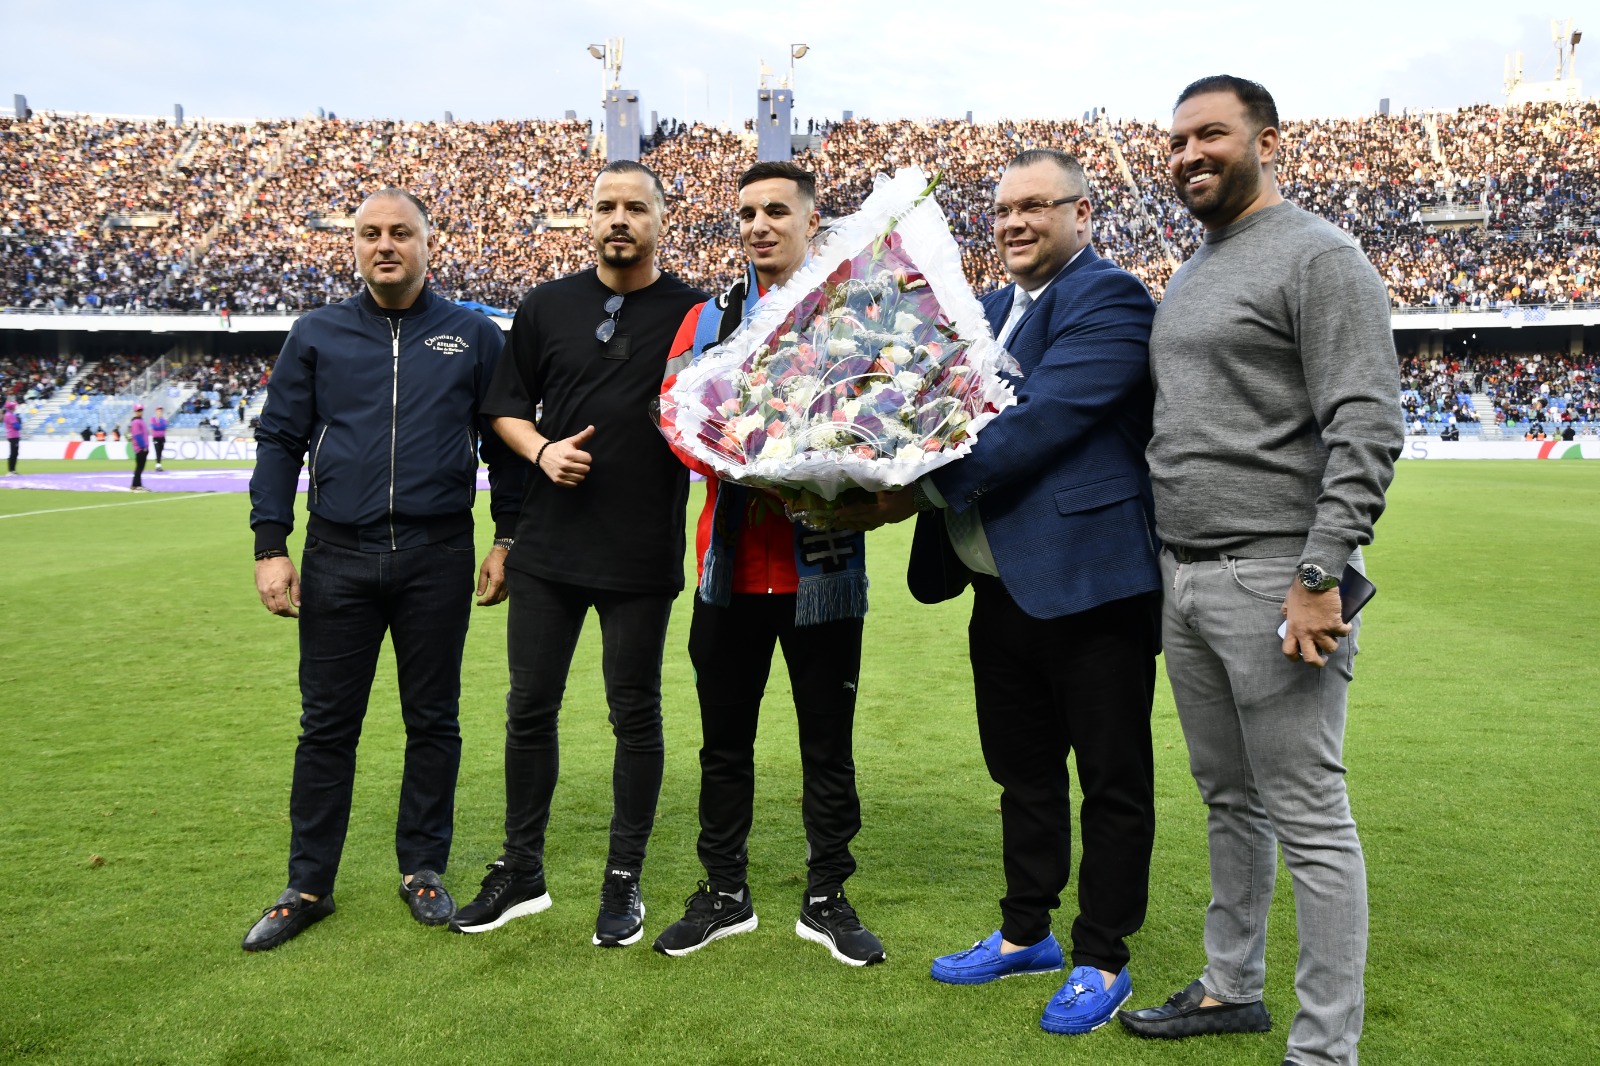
[{"x": 622, "y": 527}]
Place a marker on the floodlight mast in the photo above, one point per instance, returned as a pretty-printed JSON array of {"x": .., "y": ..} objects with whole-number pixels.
[
  {"x": 796, "y": 51},
  {"x": 609, "y": 54}
]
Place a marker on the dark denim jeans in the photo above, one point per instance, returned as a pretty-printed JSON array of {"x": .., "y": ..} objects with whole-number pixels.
[
  {"x": 731, "y": 648},
  {"x": 541, "y": 633},
  {"x": 422, "y": 597}
]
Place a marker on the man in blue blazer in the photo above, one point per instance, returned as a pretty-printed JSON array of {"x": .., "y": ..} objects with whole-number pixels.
[{"x": 1050, "y": 519}]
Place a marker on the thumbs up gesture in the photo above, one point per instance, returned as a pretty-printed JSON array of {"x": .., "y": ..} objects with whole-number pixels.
[{"x": 564, "y": 461}]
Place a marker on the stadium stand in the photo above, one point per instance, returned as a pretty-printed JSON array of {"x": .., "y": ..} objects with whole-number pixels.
[
  {"x": 122, "y": 215},
  {"x": 1484, "y": 208}
]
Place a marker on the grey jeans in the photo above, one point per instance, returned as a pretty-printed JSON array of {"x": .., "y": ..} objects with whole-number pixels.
[{"x": 1266, "y": 736}]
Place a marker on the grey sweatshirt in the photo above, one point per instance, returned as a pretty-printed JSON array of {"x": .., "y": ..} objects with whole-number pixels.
[{"x": 1277, "y": 416}]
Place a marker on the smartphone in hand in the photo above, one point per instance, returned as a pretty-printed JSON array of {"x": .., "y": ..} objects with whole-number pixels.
[{"x": 1355, "y": 592}]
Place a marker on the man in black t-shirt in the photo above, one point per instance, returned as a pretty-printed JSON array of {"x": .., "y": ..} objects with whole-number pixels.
[{"x": 603, "y": 528}]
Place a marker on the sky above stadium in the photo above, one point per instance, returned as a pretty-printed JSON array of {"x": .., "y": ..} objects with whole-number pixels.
[{"x": 699, "y": 60}]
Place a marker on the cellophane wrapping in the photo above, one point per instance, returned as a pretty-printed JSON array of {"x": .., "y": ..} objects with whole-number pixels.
[{"x": 870, "y": 367}]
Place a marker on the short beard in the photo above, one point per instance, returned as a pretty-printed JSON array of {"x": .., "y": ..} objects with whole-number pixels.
[
  {"x": 619, "y": 256},
  {"x": 1231, "y": 195}
]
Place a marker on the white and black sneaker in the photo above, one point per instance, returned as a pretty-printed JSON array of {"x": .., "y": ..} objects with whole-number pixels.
[
  {"x": 710, "y": 914},
  {"x": 621, "y": 920},
  {"x": 832, "y": 922},
  {"x": 507, "y": 893}
]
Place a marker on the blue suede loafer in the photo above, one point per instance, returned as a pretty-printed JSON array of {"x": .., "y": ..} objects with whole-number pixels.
[
  {"x": 1084, "y": 1003},
  {"x": 983, "y": 962}
]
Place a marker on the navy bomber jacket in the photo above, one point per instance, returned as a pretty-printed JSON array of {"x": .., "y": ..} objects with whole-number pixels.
[{"x": 386, "y": 408}]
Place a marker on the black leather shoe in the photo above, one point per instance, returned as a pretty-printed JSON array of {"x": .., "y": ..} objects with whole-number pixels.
[
  {"x": 1182, "y": 1016},
  {"x": 286, "y": 919},
  {"x": 430, "y": 903}
]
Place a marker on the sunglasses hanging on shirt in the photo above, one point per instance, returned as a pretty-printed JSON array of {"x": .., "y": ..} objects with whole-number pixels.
[{"x": 606, "y": 331}]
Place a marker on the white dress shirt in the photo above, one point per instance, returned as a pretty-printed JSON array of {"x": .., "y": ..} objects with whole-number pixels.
[{"x": 965, "y": 529}]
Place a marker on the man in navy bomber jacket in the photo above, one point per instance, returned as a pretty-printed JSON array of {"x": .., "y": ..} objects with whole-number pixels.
[{"x": 383, "y": 392}]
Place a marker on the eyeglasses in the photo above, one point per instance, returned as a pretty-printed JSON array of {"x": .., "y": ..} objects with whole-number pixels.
[
  {"x": 1028, "y": 210},
  {"x": 608, "y": 329}
]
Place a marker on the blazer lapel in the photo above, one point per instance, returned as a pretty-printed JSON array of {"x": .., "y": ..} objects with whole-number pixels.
[{"x": 1083, "y": 259}]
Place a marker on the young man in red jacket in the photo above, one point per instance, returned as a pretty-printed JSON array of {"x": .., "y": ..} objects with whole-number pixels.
[{"x": 765, "y": 580}]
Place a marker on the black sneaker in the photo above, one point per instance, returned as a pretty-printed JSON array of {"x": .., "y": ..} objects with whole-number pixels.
[
  {"x": 430, "y": 904},
  {"x": 710, "y": 914},
  {"x": 832, "y": 922},
  {"x": 507, "y": 893},
  {"x": 286, "y": 919},
  {"x": 621, "y": 920}
]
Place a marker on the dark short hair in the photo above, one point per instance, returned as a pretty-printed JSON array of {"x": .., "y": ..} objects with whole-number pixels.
[
  {"x": 629, "y": 166},
  {"x": 1259, "y": 106},
  {"x": 393, "y": 192},
  {"x": 803, "y": 178},
  {"x": 1065, "y": 160}
]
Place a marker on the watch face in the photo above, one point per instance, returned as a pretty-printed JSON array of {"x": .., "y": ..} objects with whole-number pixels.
[{"x": 1311, "y": 577}]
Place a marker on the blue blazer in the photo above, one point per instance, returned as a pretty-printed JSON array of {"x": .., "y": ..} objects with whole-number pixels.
[{"x": 1060, "y": 480}]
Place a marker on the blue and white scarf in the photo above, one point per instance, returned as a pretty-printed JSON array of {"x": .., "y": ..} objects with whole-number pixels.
[{"x": 832, "y": 566}]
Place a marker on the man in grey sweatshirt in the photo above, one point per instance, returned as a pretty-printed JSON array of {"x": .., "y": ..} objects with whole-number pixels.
[{"x": 1277, "y": 423}]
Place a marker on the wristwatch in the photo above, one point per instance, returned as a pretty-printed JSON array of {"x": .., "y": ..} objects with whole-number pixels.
[{"x": 1316, "y": 579}]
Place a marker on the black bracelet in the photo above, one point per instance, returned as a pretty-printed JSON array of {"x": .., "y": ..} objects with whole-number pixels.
[
  {"x": 504, "y": 542},
  {"x": 540, "y": 454},
  {"x": 271, "y": 553}
]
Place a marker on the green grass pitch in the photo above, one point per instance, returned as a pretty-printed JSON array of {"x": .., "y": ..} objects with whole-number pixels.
[{"x": 148, "y": 713}]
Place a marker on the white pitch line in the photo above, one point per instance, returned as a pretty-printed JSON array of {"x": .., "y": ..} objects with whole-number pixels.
[{"x": 129, "y": 503}]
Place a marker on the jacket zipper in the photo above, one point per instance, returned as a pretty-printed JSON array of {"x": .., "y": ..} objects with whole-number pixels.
[
  {"x": 315, "y": 452},
  {"x": 394, "y": 419}
]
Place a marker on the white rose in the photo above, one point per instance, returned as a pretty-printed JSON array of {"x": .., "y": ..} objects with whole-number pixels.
[
  {"x": 800, "y": 390},
  {"x": 777, "y": 448},
  {"x": 908, "y": 381},
  {"x": 851, "y": 408},
  {"x": 790, "y": 338},
  {"x": 842, "y": 346},
  {"x": 893, "y": 353},
  {"x": 742, "y": 428},
  {"x": 904, "y": 323}
]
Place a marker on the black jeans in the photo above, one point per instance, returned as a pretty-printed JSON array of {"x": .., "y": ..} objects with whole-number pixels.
[
  {"x": 139, "y": 459},
  {"x": 422, "y": 597},
  {"x": 161, "y": 446},
  {"x": 1046, "y": 687},
  {"x": 13, "y": 443},
  {"x": 731, "y": 648},
  {"x": 542, "y": 631}
]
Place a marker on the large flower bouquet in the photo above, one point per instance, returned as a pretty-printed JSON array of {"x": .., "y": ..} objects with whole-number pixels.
[{"x": 870, "y": 367}]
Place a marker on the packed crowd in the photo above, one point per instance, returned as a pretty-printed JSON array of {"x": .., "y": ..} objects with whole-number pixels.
[
  {"x": 1437, "y": 390},
  {"x": 1533, "y": 167},
  {"x": 103, "y": 213},
  {"x": 224, "y": 382},
  {"x": 491, "y": 188},
  {"x": 113, "y": 375},
  {"x": 126, "y": 215},
  {"x": 32, "y": 377},
  {"x": 1526, "y": 388}
]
